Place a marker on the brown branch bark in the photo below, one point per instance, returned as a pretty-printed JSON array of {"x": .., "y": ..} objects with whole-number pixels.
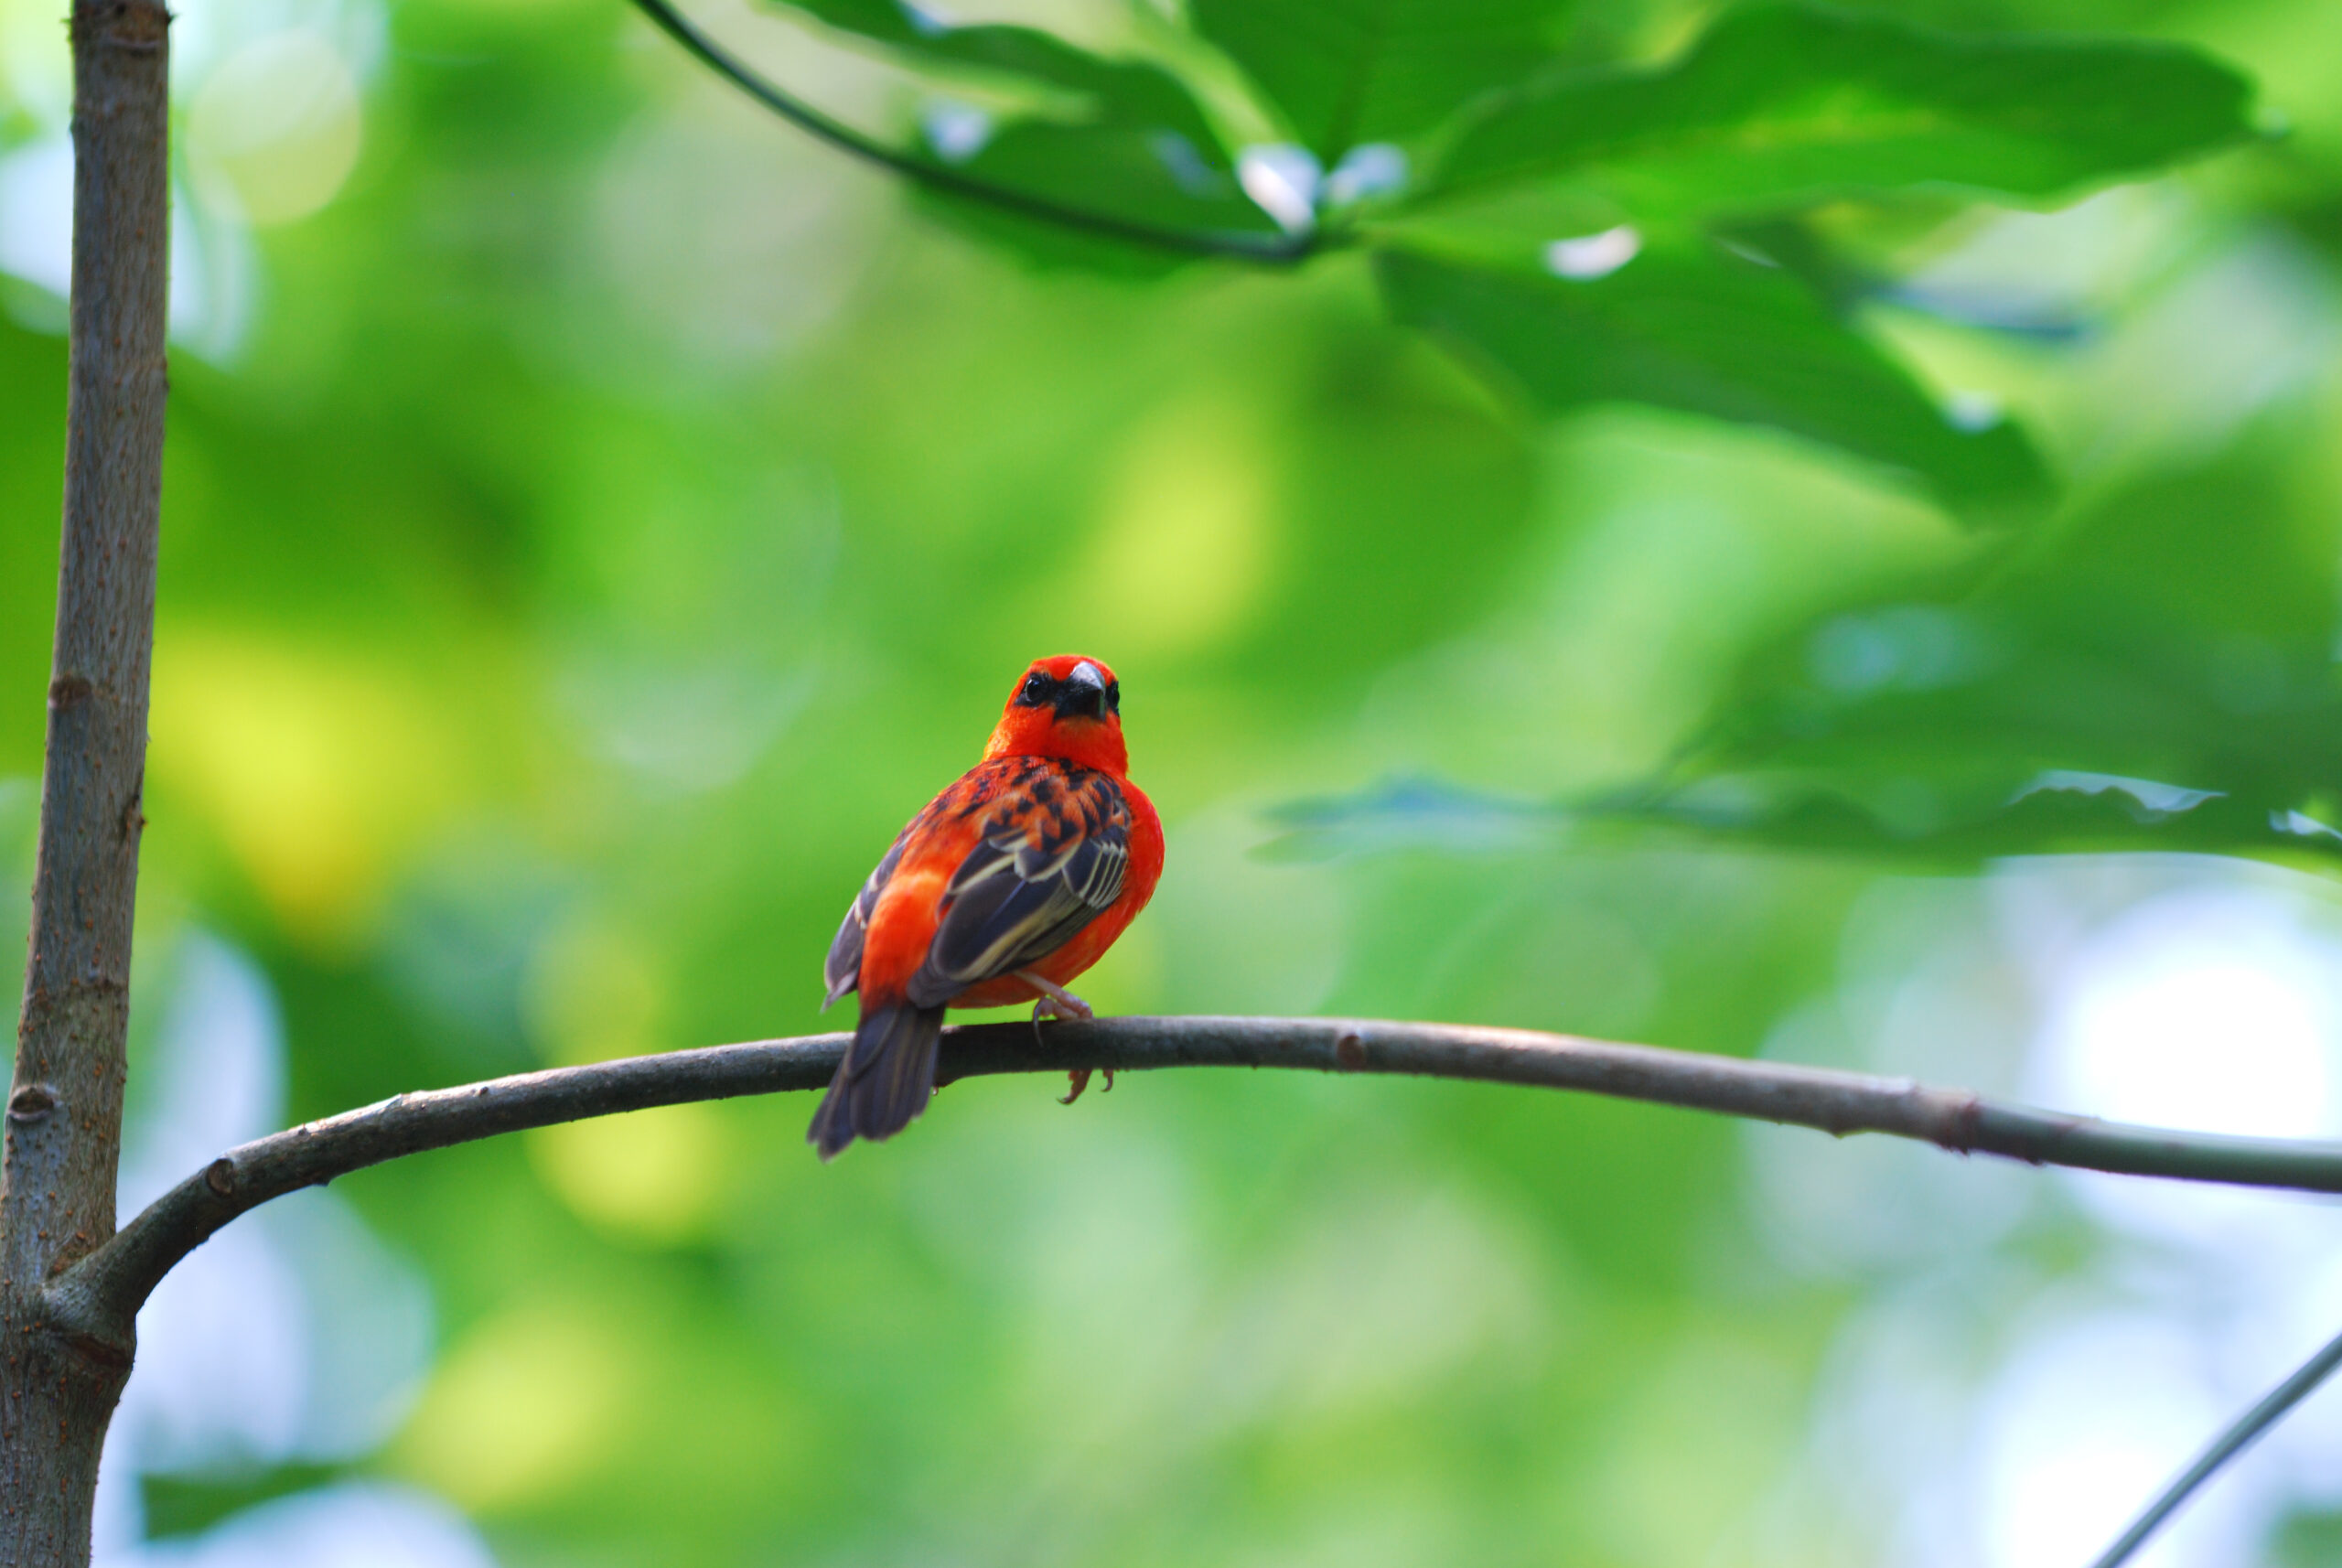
[
  {"x": 101, "y": 1292},
  {"x": 58, "y": 1385}
]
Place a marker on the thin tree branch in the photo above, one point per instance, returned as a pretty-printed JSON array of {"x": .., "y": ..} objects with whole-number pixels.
[
  {"x": 104, "y": 1290},
  {"x": 2246, "y": 1429},
  {"x": 64, "y": 1122},
  {"x": 1276, "y": 249},
  {"x": 64, "y": 1115}
]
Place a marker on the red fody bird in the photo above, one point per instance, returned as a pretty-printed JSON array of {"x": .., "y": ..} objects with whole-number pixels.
[{"x": 1006, "y": 887}]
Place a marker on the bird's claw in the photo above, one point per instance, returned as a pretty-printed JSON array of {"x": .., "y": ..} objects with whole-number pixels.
[
  {"x": 1078, "y": 1079},
  {"x": 1055, "y": 999},
  {"x": 1056, "y": 1002}
]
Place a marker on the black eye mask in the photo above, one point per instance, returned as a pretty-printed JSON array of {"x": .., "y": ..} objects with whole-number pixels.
[{"x": 1070, "y": 699}]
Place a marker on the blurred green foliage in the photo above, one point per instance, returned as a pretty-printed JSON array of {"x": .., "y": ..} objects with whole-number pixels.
[{"x": 612, "y": 515}]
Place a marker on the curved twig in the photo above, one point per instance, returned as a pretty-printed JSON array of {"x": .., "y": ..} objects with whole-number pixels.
[
  {"x": 101, "y": 1293},
  {"x": 2240, "y": 1435},
  {"x": 1275, "y": 249}
]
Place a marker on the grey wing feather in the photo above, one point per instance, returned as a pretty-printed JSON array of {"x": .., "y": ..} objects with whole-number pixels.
[
  {"x": 841, "y": 971},
  {"x": 1018, "y": 897}
]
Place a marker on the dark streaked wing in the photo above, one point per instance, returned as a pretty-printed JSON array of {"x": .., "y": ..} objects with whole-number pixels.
[
  {"x": 841, "y": 971},
  {"x": 1051, "y": 857}
]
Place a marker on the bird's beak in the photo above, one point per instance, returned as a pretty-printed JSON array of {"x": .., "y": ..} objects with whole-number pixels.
[
  {"x": 1083, "y": 696},
  {"x": 1082, "y": 703}
]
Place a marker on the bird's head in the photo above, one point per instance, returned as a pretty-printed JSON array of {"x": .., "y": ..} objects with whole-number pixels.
[{"x": 1067, "y": 707}]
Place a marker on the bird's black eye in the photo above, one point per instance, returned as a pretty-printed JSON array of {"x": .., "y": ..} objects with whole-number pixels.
[
  {"x": 1035, "y": 693},
  {"x": 1113, "y": 696}
]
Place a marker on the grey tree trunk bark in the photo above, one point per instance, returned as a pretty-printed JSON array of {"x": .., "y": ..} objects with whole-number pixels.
[{"x": 60, "y": 1381}]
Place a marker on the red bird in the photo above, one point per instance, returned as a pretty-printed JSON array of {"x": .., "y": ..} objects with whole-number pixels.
[{"x": 1009, "y": 885}]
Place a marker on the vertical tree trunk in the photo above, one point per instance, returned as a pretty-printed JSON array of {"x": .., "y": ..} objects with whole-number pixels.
[{"x": 58, "y": 1387}]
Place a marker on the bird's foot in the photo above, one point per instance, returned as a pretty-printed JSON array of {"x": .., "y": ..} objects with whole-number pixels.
[
  {"x": 1060, "y": 1002},
  {"x": 1078, "y": 1079},
  {"x": 1056, "y": 1002}
]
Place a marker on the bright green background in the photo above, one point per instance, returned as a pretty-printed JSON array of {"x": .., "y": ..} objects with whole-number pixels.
[{"x": 617, "y": 514}]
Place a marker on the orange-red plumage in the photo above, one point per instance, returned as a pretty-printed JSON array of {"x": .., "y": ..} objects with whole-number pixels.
[{"x": 1007, "y": 885}]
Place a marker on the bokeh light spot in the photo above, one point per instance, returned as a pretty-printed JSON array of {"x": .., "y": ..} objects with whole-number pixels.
[
  {"x": 2195, "y": 1011},
  {"x": 655, "y": 1175},
  {"x": 275, "y": 129},
  {"x": 316, "y": 772},
  {"x": 526, "y": 1404},
  {"x": 1188, "y": 521}
]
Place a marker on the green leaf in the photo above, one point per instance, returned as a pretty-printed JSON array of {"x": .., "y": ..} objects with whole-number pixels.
[
  {"x": 2157, "y": 675},
  {"x": 2050, "y": 813},
  {"x": 1684, "y": 327},
  {"x": 1400, "y": 815},
  {"x": 2181, "y": 629},
  {"x": 1121, "y": 94},
  {"x": 1911, "y": 818},
  {"x": 1137, "y": 151},
  {"x": 1779, "y": 105},
  {"x": 1350, "y": 72},
  {"x": 1120, "y": 175}
]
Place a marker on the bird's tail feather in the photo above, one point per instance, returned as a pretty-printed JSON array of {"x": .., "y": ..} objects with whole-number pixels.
[{"x": 885, "y": 1080}]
